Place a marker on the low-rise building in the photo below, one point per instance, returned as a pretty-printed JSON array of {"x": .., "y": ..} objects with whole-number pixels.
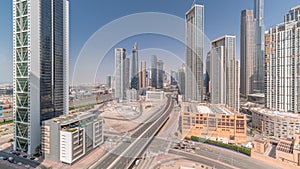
[
  {"x": 275, "y": 123},
  {"x": 69, "y": 137},
  {"x": 154, "y": 96},
  {"x": 288, "y": 150},
  {"x": 214, "y": 122},
  {"x": 260, "y": 146}
]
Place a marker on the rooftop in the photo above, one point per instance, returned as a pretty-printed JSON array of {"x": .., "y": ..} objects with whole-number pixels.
[
  {"x": 72, "y": 118},
  {"x": 276, "y": 113}
]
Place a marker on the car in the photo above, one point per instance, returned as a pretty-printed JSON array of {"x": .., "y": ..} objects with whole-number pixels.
[
  {"x": 15, "y": 162},
  {"x": 27, "y": 166},
  {"x": 11, "y": 159},
  {"x": 36, "y": 159},
  {"x": 19, "y": 163},
  {"x": 1, "y": 158},
  {"x": 31, "y": 158},
  {"x": 5, "y": 158},
  {"x": 24, "y": 156}
]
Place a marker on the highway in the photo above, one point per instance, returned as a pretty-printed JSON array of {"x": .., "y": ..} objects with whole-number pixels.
[{"x": 127, "y": 151}]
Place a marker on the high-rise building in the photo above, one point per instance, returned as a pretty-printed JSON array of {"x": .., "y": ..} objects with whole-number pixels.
[
  {"x": 127, "y": 74},
  {"x": 108, "y": 81},
  {"x": 282, "y": 64},
  {"x": 247, "y": 52},
  {"x": 160, "y": 74},
  {"x": 224, "y": 72},
  {"x": 181, "y": 79},
  {"x": 174, "y": 77},
  {"x": 119, "y": 88},
  {"x": 154, "y": 71},
  {"x": 143, "y": 74},
  {"x": 41, "y": 56},
  {"x": 135, "y": 68},
  {"x": 207, "y": 74},
  {"x": 194, "y": 53},
  {"x": 259, "y": 47}
]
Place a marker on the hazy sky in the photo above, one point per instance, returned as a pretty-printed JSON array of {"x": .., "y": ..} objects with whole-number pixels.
[{"x": 88, "y": 16}]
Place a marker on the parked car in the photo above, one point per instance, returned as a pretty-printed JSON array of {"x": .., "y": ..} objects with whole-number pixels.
[
  {"x": 19, "y": 163},
  {"x": 27, "y": 166}
]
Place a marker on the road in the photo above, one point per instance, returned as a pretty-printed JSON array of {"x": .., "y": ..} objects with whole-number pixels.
[
  {"x": 229, "y": 157},
  {"x": 128, "y": 150}
]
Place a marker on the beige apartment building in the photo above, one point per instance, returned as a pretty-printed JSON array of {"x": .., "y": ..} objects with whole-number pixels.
[
  {"x": 214, "y": 122},
  {"x": 288, "y": 150}
]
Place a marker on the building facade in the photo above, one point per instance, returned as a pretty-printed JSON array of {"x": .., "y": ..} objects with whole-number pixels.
[
  {"x": 143, "y": 75},
  {"x": 282, "y": 64},
  {"x": 68, "y": 138},
  {"x": 160, "y": 74},
  {"x": 108, "y": 81},
  {"x": 194, "y": 53},
  {"x": 181, "y": 80},
  {"x": 119, "y": 88},
  {"x": 247, "y": 53},
  {"x": 275, "y": 123},
  {"x": 41, "y": 64},
  {"x": 135, "y": 68},
  {"x": 153, "y": 71},
  {"x": 224, "y": 70},
  {"x": 259, "y": 47},
  {"x": 214, "y": 122}
]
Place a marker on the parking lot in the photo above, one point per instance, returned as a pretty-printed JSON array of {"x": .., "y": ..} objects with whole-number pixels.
[{"x": 17, "y": 160}]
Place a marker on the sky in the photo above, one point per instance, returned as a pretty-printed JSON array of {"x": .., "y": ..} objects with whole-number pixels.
[{"x": 87, "y": 16}]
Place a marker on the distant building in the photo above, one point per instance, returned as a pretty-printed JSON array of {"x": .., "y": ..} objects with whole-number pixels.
[
  {"x": 135, "y": 68},
  {"x": 108, "y": 81},
  {"x": 154, "y": 96},
  {"x": 143, "y": 74},
  {"x": 259, "y": 47},
  {"x": 154, "y": 71},
  {"x": 213, "y": 122},
  {"x": 119, "y": 88},
  {"x": 247, "y": 53},
  {"x": 41, "y": 68},
  {"x": 194, "y": 53},
  {"x": 282, "y": 67},
  {"x": 160, "y": 74},
  {"x": 181, "y": 80},
  {"x": 132, "y": 95},
  {"x": 207, "y": 74},
  {"x": 68, "y": 138},
  {"x": 174, "y": 77},
  {"x": 288, "y": 150},
  {"x": 224, "y": 69},
  {"x": 127, "y": 75}
]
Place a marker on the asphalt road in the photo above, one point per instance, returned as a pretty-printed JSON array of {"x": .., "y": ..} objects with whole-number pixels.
[
  {"x": 229, "y": 157},
  {"x": 32, "y": 163},
  {"x": 122, "y": 161}
]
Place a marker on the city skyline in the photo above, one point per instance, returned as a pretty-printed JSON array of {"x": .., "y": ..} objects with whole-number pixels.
[{"x": 77, "y": 40}]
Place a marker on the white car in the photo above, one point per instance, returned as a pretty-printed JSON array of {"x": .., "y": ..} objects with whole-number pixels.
[
  {"x": 27, "y": 166},
  {"x": 1, "y": 158},
  {"x": 19, "y": 163}
]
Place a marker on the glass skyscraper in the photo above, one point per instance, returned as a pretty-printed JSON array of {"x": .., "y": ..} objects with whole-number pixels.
[
  {"x": 41, "y": 54},
  {"x": 259, "y": 46},
  {"x": 135, "y": 68},
  {"x": 194, "y": 53}
]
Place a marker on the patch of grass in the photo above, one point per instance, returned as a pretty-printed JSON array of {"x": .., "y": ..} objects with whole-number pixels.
[{"x": 6, "y": 122}]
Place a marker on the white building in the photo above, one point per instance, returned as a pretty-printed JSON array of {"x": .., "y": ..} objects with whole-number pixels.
[
  {"x": 155, "y": 96},
  {"x": 119, "y": 87},
  {"x": 68, "y": 138},
  {"x": 41, "y": 64},
  {"x": 283, "y": 64},
  {"x": 224, "y": 71}
]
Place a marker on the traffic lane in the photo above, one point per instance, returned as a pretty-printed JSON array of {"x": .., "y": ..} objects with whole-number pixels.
[
  {"x": 200, "y": 160},
  {"x": 232, "y": 158}
]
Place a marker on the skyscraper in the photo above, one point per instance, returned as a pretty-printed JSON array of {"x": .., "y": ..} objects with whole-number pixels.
[
  {"x": 127, "y": 74},
  {"x": 224, "y": 72},
  {"x": 135, "y": 68},
  {"x": 143, "y": 74},
  {"x": 41, "y": 56},
  {"x": 108, "y": 81},
  {"x": 160, "y": 74},
  {"x": 282, "y": 64},
  {"x": 174, "y": 77},
  {"x": 259, "y": 46},
  {"x": 154, "y": 71},
  {"x": 181, "y": 81},
  {"x": 207, "y": 77},
  {"x": 119, "y": 88},
  {"x": 194, "y": 53},
  {"x": 247, "y": 52}
]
